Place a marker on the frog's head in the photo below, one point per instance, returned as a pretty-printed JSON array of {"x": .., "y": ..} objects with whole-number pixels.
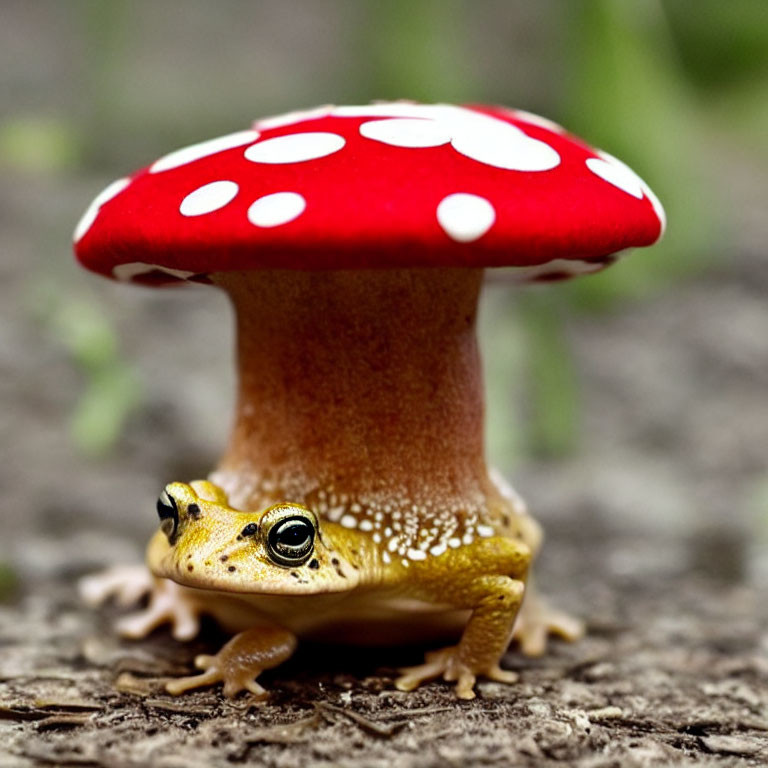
[{"x": 284, "y": 549}]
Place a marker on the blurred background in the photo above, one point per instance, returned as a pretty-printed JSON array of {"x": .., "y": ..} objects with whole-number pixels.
[{"x": 628, "y": 408}]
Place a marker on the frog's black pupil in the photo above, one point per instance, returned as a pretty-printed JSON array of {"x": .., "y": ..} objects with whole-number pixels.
[
  {"x": 294, "y": 534},
  {"x": 291, "y": 540}
]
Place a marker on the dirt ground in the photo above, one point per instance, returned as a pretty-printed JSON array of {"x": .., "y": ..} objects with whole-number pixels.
[
  {"x": 658, "y": 536},
  {"x": 674, "y": 671}
]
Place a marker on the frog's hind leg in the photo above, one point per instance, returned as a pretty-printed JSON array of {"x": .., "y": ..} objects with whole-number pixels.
[
  {"x": 125, "y": 584},
  {"x": 483, "y": 643},
  {"x": 240, "y": 662},
  {"x": 537, "y": 619},
  {"x": 487, "y": 577},
  {"x": 169, "y": 603}
]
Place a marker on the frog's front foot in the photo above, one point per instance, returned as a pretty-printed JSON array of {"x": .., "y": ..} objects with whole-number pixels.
[
  {"x": 538, "y": 620},
  {"x": 448, "y": 663},
  {"x": 169, "y": 603},
  {"x": 240, "y": 662}
]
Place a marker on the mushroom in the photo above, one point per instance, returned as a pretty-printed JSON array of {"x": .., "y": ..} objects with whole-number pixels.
[{"x": 352, "y": 243}]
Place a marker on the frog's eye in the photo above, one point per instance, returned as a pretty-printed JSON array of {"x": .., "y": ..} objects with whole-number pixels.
[
  {"x": 168, "y": 513},
  {"x": 291, "y": 540}
]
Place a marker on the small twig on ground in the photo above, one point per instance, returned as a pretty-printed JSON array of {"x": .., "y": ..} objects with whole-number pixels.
[{"x": 371, "y": 726}]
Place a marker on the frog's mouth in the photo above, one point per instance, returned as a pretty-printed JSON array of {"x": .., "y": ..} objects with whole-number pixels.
[{"x": 221, "y": 564}]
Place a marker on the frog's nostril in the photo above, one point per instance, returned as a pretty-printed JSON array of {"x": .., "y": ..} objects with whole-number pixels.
[{"x": 250, "y": 530}]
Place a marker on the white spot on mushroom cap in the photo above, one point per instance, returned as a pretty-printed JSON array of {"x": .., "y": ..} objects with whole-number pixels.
[
  {"x": 382, "y": 109},
  {"x": 481, "y": 137},
  {"x": 92, "y": 211},
  {"x": 208, "y": 198},
  {"x": 406, "y": 132},
  {"x": 126, "y": 272},
  {"x": 534, "y": 119},
  {"x": 289, "y": 118},
  {"x": 505, "y": 146},
  {"x": 465, "y": 217},
  {"x": 203, "y": 149},
  {"x": 275, "y": 209},
  {"x": 618, "y": 173},
  {"x": 295, "y": 148},
  {"x": 658, "y": 208}
]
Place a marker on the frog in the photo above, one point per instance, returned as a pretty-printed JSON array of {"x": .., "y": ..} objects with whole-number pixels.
[{"x": 271, "y": 576}]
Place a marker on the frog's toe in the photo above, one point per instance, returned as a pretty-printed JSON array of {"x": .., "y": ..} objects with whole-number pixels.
[
  {"x": 240, "y": 662},
  {"x": 538, "y": 620},
  {"x": 499, "y": 675},
  {"x": 168, "y": 604},
  {"x": 446, "y": 663},
  {"x": 412, "y": 677},
  {"x": 190, "y": 683}
]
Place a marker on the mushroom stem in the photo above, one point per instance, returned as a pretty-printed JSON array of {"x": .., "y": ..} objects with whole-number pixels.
[{"x": 356, "y": 387}]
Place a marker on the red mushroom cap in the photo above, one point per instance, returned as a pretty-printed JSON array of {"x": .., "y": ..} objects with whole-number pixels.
[{"x": 380, "y": 186}]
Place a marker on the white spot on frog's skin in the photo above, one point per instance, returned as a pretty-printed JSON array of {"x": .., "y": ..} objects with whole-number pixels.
[
  {"x": 294, "y": 148},
  {"x": 485, "y": 531},
  {"x": 366, "y": 525},
  {"x": 481, "y": 137},
  {"x": 406, "y": 132},
  {"x": 106, "y": 194},
  {"x": 276, "y": 209},
  {"x": 349, "y": 521},
  {"x": 208, "y": 198},
  {"x": 465, "y": 217},
  {"x": 203, "y": 149},
  {"x": 437, "y": 550},
  {"x": 454, "y": 542},
  {"x": 126, "y": 272},
  {"x": 417, "y": 554},
  {"x": 386, "y": 558}
]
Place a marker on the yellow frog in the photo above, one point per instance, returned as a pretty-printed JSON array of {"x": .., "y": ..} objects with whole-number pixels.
[{"x": 282, "y": 572}]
